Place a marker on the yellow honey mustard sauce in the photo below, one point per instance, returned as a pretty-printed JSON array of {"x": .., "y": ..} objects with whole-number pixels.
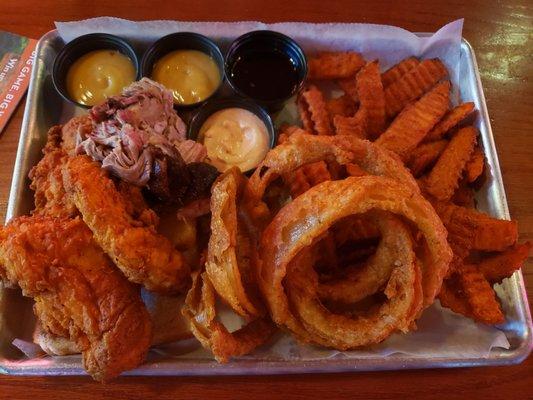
[
  {"x": 99, "y": 74},
  {"x": 234, "y": 137},
  {"x": 191, "y": 75}
]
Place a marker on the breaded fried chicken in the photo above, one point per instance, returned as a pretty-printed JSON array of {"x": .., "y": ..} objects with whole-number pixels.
[
  {"x": 47, "y": 180},
  {"x": 79, "y": 295},
  {"x": 142, "y": 254}
]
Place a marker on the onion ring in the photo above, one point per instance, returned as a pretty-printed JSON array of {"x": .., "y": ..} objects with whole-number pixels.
[
  {"x": 200, "y": 310},
  {"x": 403, "y": 304},
  {"x": 229, "y": 275},
  {"x": 366, "y": 280},
  {"x": 298, "y": 223},
  {"x": 228, "y": 251},
  {"x": 300, "y": 149}
]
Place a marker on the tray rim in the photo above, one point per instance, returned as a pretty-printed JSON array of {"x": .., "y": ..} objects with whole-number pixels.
[{"x": 329, "y": 365}]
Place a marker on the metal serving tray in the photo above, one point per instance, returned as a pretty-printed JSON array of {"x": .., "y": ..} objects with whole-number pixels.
[{"x": 45, "y": 108}]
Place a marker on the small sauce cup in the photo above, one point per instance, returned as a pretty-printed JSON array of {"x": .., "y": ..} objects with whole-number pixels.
[
  {"x": 183, "y": 41},
  {"x": 266, "y": 67},
  {"x": 81, "y": 46},
  {"x": 208, "y": 109}
]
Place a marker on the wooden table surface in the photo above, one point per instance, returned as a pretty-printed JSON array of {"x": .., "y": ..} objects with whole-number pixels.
[{"x": 501, "y": 34}]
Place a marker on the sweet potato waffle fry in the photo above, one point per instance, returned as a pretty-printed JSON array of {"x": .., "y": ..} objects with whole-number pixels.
[
  {"x": 412, "y": 85},
  {"x": 411, "y": 126},
  {"x": 450, "y": 120},
  {"x": 307, "y": 176},
  {"x": 424, "y": 156},
  {"x": 480, "y": 295},
  {"x": 464, "y": 195},
  {"x": 475, "y": 166},
  {"x": 313, "y": 112},
  {"x": 397, "y": 71},
  {"x": 371, "y": 98},
  {"x": 343, "y": 106},
  {"x": 352, "y": 126},
  {"x": 334, "y": 65},
  {"x": 502, "y": 265},
  {"x": 349, "y": 86},
  {"x": 444, "y": 178}
]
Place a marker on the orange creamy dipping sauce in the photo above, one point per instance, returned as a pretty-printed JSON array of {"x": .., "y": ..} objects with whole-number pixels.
[{"x": 234, "y": 137}]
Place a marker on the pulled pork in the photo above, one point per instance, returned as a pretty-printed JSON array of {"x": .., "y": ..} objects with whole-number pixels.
[{"x": 139, "y": 138}]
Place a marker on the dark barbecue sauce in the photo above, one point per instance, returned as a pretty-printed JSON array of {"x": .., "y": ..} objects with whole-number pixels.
[{"x": 265, "y": 75}]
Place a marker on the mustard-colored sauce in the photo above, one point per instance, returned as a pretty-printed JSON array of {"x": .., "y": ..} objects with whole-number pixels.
[
  {"x": 234, "y": 137},
  {"x": 99, "y": 74},
  {"x": 191, "y": 75}
]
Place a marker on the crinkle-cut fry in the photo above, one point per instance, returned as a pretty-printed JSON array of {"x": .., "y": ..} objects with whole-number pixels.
[
  {"x": 411, "y": 126},
  {"x": 397, "y": 71},
  {"x": 495, "y": 235},
  {"x": 305, "y": 114},
  {"x": 334, "y": 65},
  {"x": 502, "y": 265},
  {"x": 308, "y": 176},
  {"x": 450, "y": 120},
  {"x": 313, "y": 112},
  {"x": 461, "y": 225},
  {"x": 477, "y": 230},
  {"x": 474, "y": 166},
  {"x": 355, "y": 170},
  {"x": 352, "y": 126},
  {"x": 371, "y": 98},
  {"x": 451, "y": 296},
  {"x": 443, "y": 179},
  {"x": 412, "y": 85},
  {"x": 424, "y": 156},
  {"x": 286, "y": 131},
  {"x": 480, "y": 295},
  {"x": 464, "y": 195},
  {"x": 349, "y": 86},
  {"x": 342, "y": 105},
  {"x": 200, "y": 310}
]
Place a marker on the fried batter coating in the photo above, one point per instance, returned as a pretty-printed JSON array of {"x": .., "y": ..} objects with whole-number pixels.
[
  {"x": 142, "y": 254},
  {"x": 200, "y": 310},
  {"x": 47, "y": 181},
  {"x": 78, "y": 293}
]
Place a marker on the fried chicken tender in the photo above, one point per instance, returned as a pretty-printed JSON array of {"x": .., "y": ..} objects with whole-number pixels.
[
  {"x": 47, "y": 180},
  {"x": 144, "y": 256},
  {"x": 78, "y": 293}
]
